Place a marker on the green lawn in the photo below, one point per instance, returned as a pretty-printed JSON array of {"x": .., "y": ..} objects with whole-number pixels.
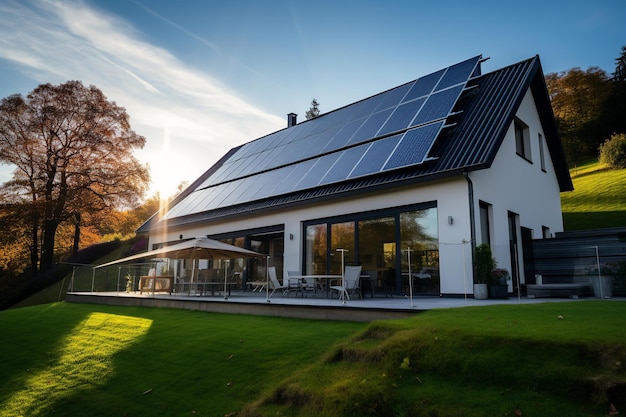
[
  {"x": 546, "y": 359},
  {"x": 598, "y": 199}
]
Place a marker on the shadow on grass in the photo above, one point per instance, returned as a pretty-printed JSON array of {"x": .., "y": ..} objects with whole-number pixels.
[
  {"x": 586, "y": 172},
  {"x": 593, "y": 220},
  {"x": 82, "y": 362},
  {"x": 103, "y": 360}
]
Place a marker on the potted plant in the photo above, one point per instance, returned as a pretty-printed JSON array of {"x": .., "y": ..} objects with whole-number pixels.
[
  {"x": 484, "y": 263},
  {"x": 499, "y": 283},
  {"x": 601, "y": 277},
  {"x": 129, "y": 282}
]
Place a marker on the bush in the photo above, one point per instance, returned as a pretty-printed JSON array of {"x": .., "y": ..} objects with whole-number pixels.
[
  {"x": 613, "y": 151},
  {"x": 484, "y": 263}
]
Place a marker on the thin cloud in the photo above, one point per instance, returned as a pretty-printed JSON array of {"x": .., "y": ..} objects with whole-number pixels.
[
  {"x": 177, "y": 26},
  {"x": 168, "y": 102}
]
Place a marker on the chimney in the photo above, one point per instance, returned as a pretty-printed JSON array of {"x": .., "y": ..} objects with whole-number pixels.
[{"x": 292, "y": 119}]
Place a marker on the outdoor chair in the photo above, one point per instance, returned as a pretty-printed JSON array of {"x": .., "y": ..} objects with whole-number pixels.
[
  {"x": 274, "y": 284},
  {"x": 351, "y": 280},
  {"x": 301, "y": 284}
]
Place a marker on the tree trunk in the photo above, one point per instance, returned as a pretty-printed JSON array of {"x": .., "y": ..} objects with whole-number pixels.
[
  {"x": 34, "y": 250},
  {"x": 76, "y": 232},
  {"x": 47, "y": 247}
]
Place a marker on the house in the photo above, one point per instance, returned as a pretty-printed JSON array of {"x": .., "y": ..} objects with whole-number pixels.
[{"x": 406, "y": 182}]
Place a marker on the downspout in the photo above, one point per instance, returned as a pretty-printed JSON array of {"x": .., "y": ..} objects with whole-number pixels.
[{"x": 470, "y": 196}]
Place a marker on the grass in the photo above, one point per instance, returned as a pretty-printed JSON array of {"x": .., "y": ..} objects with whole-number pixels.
[
  {"x": 598, "y": 199},
  {"x": 68, "y": 359},
  {"x": 544, "y": 359}
]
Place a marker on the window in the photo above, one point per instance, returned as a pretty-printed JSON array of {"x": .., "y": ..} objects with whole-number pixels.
[
  {"x": 419, "y": 242},
  {"x": 379, "y": 242},
  {"x": 341, "y": 237},
  {"x": 316, "y": 249},
  {"x": 522, "y": 140},
  {"x": 377, "y": 239},
  {"x": 541, "y": 154},
  {"x": 485, "y": 229}
]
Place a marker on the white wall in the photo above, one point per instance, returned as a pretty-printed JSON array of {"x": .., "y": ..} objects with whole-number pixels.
[
  {"x": 517, "y": 185},
  {"x": 451, "y": 196}
]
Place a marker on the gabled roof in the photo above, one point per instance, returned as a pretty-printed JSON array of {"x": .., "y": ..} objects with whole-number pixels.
[{"x": 443, "y": 124}]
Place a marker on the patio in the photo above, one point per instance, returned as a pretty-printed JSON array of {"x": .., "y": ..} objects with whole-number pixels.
[{"x": 248, "y": 302}]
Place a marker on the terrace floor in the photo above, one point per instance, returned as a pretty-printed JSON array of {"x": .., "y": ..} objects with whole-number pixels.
[{"x": 321, "y": 308}]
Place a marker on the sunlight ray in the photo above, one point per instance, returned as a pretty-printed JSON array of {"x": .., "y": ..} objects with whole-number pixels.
[{"x": 84, "y": 363}]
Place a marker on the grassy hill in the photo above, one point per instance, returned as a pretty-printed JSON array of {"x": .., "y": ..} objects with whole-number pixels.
[
  {"x": 598, "y": 199},
  {"x": 551, "y": 359}
]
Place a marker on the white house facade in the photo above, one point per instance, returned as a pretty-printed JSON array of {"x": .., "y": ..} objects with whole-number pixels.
[{"x": 404, "y": 183}]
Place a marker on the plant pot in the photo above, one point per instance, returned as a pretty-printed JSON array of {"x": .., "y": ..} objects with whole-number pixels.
[
  {"x": 481, "y": 291},
  {"x": 498, "y": 291},
  {"x": 602, "y": 286}
]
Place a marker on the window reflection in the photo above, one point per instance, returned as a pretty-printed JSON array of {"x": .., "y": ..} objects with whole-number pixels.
[
  {"x": 380, "y": 246},
  {"x": 420, "y": 242},
  {"x": 316, "y": 249},
  {"x": 342, "y": 237},
  {"x": 377, "y": 250}
]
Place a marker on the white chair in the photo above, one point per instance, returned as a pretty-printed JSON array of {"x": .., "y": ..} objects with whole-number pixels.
[
  {"x": 351, "y": 279},
  {"x": 274, "y": 284}
]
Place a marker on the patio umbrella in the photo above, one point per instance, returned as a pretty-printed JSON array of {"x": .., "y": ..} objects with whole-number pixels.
[{"x": 198, "y": 248}]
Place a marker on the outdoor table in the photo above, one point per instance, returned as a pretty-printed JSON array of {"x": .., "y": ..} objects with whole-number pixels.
[{"x": 318, "y": 279}]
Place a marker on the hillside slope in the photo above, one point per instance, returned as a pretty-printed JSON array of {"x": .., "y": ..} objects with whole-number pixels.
[
  {"x": 598, "y": 199},
  {"x": 546, "y": 359}
]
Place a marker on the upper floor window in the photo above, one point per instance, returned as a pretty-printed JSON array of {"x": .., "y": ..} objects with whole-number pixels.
[
  {"x": 522, "y": 140},
  {"x": 542, "y": 157},
  {"x": 485, "y": 228}
]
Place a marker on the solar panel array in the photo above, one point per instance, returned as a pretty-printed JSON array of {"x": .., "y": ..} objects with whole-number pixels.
[{"x": 388, "y": 131}]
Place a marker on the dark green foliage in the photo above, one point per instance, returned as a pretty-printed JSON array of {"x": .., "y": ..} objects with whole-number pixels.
[
  {"x": 613, "y": 151},
  {"x": 58, "y": 272},
  {"x": 484, "y": 263}
]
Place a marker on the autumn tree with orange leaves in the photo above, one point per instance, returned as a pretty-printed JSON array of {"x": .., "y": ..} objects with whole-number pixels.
[{"x": 72, "y": 154}]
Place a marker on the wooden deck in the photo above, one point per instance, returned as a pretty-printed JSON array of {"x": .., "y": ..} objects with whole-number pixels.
[{"x": 317, "y": 308}]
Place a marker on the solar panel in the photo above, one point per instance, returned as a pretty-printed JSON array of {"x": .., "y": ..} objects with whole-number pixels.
[
  {"x": 377, "y": 154},
  {"x": 317, "y": 171},
  {"x": 423, "y": 86},
  {"x": 347, "y": 143},
  {"x": 458, "y": 73},
  {"x": 243, "y": 187},
  {"x": 414, "y": 146},
  {"x": 343, "y": 136},
  {"x": 344, "y": 164},
  {"x": 394, "y": 96},
  {"x": 401, "y": 117},
  {"x": 438, "y": 105},
  {"x": 370, "y": 127}
]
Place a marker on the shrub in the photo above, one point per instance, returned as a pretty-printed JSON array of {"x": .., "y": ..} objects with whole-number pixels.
[
  {"x": 613, "y": 151},
  {"x": 484, "y": 263}
]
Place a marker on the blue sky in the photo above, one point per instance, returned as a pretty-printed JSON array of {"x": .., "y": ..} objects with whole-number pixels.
[{"x": 199, "y": 77}]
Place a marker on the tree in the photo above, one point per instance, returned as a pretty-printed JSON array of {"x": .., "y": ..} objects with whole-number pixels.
[
  {"x": 577, "y": 99},
  {"x": 613, "y": 151},
  {"x": 620, "y": 67},
  {"x": 72, "y": 153},
  {"x": 314, "y": 111},
  {"x": 614, "y": 109}
]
